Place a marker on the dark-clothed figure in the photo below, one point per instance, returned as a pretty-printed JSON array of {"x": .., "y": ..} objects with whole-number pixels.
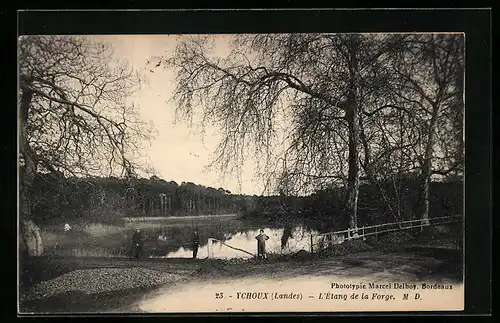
[
  {"x": 261, "y": 244},
  {"x": 138, "y": 243},
  {"x": 287, "y": 234},
  {"x": 195, "y": 243}
]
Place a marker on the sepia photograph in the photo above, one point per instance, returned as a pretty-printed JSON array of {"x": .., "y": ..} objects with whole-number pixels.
[{"x": 241, "y": 173}]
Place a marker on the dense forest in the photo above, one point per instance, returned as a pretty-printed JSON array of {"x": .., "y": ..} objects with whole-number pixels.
[
  {"x": 104, "y": 199},
  {"x": 109, "y": 199},
  {"x": 377, "y": 204}
]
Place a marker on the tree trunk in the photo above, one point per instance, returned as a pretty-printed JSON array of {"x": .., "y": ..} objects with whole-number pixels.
[
  {"x": 370, "y": 176},
  {"x": 354, "y": 137},
  {"x": 423, "y": 198},
  {"x": 353, "y": 177},
  {"x": 425, "y": 175},
  {"x": 30, "y": 240}
]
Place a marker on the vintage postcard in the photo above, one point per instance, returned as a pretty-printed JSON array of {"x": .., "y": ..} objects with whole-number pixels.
[{"x": 241, "y": 173}]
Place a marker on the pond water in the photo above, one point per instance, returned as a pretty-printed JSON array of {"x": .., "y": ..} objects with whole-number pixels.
[
  {"x": 170, "y": 238},
  {"x": 300, "y": 239}
]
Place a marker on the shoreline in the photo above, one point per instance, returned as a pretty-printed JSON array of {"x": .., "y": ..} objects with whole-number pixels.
[{"x": 187, "y": 217}]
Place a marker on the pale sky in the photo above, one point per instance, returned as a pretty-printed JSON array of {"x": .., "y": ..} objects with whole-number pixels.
[{"x": 176, "y": 153}]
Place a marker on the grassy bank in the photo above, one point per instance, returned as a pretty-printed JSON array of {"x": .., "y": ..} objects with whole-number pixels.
[{"x": 79, "y": 302}]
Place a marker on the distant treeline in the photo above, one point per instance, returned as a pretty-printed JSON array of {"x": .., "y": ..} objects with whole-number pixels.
[
  {"x": 111, "y": 198},
  {"x": 378, "y": 203}
]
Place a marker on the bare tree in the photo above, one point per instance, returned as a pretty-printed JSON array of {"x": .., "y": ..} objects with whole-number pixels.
[
  {"x": 429, "y": 77},
  {"x": 388, "y": 135},
  {"x": 74, "y": 117},
  {"x": 310, "y": 82}
]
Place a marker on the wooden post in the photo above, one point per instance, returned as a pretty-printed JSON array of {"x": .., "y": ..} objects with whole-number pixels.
[
  {"x": 363, "y": 233},
  {"x": 208, "y": 247},
  {"x": 312, "y": 249}
]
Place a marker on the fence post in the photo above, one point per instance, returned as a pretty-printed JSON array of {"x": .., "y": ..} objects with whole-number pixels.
[
  {"x": 208, "y": 247},
  {"x": 311, "y": 237},
  {"x": 376, "y": 232},
  {"x": 363, "y": 233}
]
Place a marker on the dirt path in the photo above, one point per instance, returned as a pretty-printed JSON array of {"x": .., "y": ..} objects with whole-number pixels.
[{"x": 308, "y": 275}]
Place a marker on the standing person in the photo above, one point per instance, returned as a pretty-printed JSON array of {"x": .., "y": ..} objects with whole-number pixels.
[
  {"x": 261, "y": 244},
  {"x": 195, "y": 243},
  {"x": 66, "y": 228},
  {"x": 287, "y": 234},
  {"x": 138, "y": 243}
]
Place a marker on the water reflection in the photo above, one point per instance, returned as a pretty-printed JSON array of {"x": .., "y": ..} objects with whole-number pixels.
[
  {"x": 296, "y": 239},
  {"x": 172, "y": 238}
]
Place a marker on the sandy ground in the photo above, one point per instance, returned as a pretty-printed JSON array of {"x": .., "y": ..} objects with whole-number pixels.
[
  {"x": 300, "y": 294},
  {"x": 309, "y": 280}
]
